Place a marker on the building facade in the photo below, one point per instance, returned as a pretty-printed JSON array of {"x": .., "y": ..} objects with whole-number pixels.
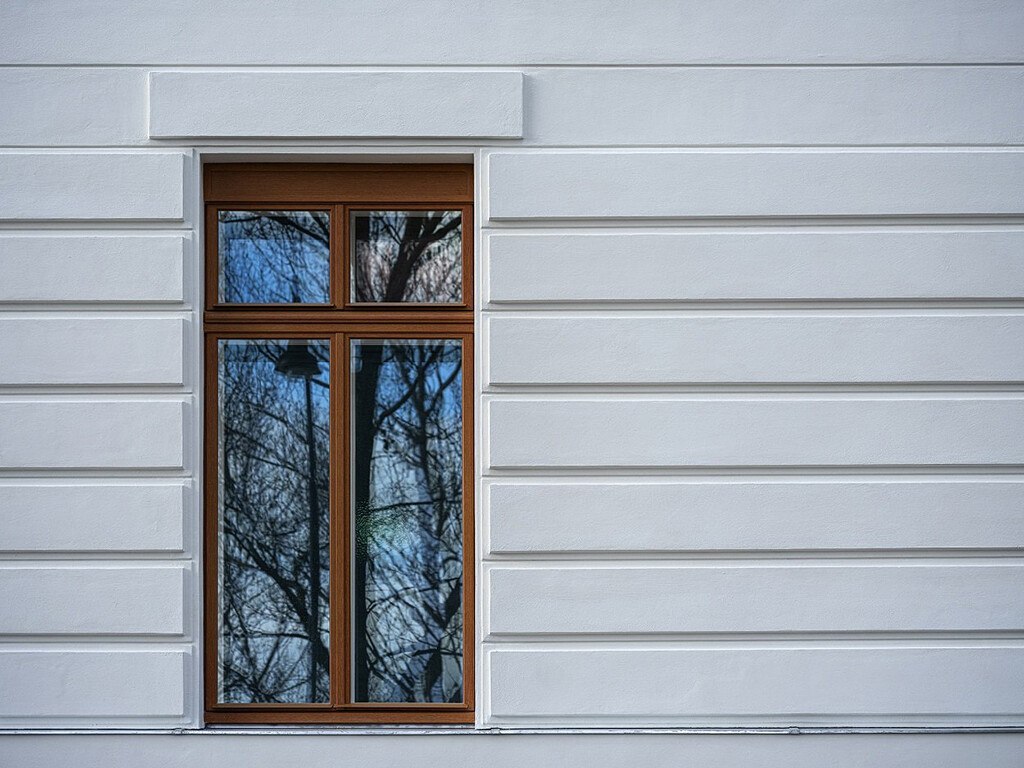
[{"x": 743, "y": 343}]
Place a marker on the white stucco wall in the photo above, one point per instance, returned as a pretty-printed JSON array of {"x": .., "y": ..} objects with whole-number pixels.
[{"x": 750, "y": 346}]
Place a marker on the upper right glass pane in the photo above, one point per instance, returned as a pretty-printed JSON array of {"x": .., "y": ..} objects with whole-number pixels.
[{"x": 407, "y": 256}]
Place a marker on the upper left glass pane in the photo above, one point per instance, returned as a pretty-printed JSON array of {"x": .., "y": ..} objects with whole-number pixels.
[{"x": 274, "y": 257}]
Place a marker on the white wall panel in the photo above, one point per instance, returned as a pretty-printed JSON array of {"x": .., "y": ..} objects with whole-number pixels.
[
  {"x": 759, "y": 684},
  {"x": 650, "y": 598},
  {"x": 754, "y": 183},
  {"x": 69, "y": 517},
  {"x": 85, "y": 684},
  {"x": 630, "y": 516},
  {"x": 928, "y": 105},
  {"x": 94, "y": 268},
  {"x": 777, "y": 105},
  {"x": 72, "y": 106},
  {"x": 605, "y": 605},
  {"x": 766, "y": 266},
  {"x": 92, "y": 351},
  {"x": 80, "y": 186},
  {"x": 681, "y": 432},
  {"x": 119, "y": 600},
  {"x": 752, "y": 348},
  {"x": 304, "y": 104},
  {"x": 531, "y": 31},
  {"x": 64, "y": 434}
]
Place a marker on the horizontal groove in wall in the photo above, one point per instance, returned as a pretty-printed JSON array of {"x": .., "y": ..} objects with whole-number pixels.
[
  {"x": 789, "y": 724},
  {"x": 758, "y": 471},
  {"x": 712, "y": 306},
  {"x": 429, "y": 66},
  {"x": 794, "y": 150},
  {"x": 840, "y": 559},
  {"x": 115, "y": 230},
  {"x": 91, "y": 311},
  {"x": 386, "y": 146},
  {"x": 97, "y": 308},
  {"x": 94, "y": 641},
  {"x": 71, "y": 560},
  {"x": 9, "y": 474},
  {"x": 133, "y": 396},
  {"x": 711, "y": 388},
  {"x": 105, "y": 557},
  {"x": 513, "y": 558},
  {"x": 106, "y": 644},
  {"x": 568, "y": 394},
  {"x": 94, "y": 226},
  {"x": 834, "y": 641},
  {"x": 967, "y": 638},
  {"x": 951, "y": 308},
  {"x": 382, "y": 146},
  {"x": 884, "y": 475},
  {"x": 721, "y": 223},
  {"x": 45, "y": 390},
  {"x": 135, "y": 478}
]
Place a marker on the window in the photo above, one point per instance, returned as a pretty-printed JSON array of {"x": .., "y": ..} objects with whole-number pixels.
[{"x": 338, "y": 443}]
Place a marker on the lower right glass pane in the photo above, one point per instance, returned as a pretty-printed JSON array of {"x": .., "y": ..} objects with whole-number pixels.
[{"x": 406, "y": 485}]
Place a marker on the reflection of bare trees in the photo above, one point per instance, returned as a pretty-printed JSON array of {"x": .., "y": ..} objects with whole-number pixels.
[
  {"x": 411, "y": 256},
  {"x": 274, "y": 257},
  {"x": 266, "y": 589},
  {"x": 408, "y": 504},
  {"x": 406, "y": 470}
]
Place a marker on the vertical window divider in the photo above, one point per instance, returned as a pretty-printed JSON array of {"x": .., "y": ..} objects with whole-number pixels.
[
  {"x": 348, "y": 535},
  {"x": 340, "y": 255}
]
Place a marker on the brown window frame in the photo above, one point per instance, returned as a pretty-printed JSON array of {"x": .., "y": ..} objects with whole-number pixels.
[{"x": 340, "y": 189}]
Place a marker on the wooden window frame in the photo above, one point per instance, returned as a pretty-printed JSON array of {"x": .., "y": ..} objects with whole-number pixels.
[{"x": 340, "y": 189}]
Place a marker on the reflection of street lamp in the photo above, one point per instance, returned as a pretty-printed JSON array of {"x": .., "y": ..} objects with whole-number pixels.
[{"x": 297, "y": 362}]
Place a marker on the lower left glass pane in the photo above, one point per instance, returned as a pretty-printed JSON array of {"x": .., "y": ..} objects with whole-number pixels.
[{"x": 273, "y": 508}]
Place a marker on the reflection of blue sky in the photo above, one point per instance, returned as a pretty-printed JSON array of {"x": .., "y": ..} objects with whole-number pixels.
[
  {"x": 412, "y": 530},
  {"x": 264, "y": 508},
  {"x": 266, "y": 261}
]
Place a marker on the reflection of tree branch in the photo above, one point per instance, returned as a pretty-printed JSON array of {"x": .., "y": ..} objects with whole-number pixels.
[
  {"x": 293, "y": 223},
  {"x": 288, "y": 588}
]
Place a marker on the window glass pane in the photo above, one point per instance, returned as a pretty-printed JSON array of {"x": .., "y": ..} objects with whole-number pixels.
[
  {"x": 407, "y": 506},
  {"x": 412, "y": 256},
  {"x": 273, "y": 504},
  {"x": 274, "y": 257}
]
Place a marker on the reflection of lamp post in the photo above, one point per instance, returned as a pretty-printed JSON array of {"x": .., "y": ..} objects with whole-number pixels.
[{"x": 297, "y": 362}]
